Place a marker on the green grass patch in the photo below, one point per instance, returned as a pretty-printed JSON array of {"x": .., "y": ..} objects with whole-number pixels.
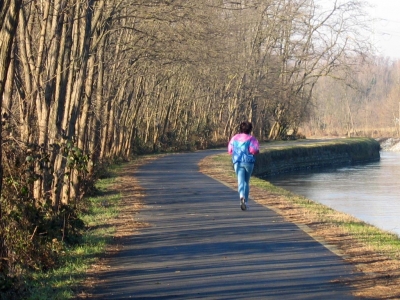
[{"x": 60, "y": 283}]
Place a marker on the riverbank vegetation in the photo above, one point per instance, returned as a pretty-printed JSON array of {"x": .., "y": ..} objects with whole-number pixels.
[
  {"x": 85, "y": 83},
  {"x": 70, "y": 269},
  {"x": 372, "y": 251}
]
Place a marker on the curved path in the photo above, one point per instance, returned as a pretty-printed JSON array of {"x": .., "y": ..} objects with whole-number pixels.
[{"x": 200, "y": 245}]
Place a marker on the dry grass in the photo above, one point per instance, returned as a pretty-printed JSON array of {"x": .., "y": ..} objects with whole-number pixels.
[
  {"x": 125, "y": 225},
  {"x": 373, "y": 252}
]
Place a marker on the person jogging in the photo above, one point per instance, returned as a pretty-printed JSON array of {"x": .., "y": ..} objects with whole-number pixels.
[{"x": 243, "y": 147}]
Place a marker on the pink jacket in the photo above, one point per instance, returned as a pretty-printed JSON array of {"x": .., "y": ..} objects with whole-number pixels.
[{"x": 243, "y": 147}]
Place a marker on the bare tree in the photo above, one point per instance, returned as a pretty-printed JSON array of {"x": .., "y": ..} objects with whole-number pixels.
[
  {"x": 105, "y": 79},
  {"x": 8, "y": 25}
]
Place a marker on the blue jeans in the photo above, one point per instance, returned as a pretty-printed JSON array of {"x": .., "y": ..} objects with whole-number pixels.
[{"x": 243, "y": 172}]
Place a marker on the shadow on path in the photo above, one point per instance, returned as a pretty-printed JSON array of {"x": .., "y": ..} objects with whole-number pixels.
[{"x": 201, "y": 245}]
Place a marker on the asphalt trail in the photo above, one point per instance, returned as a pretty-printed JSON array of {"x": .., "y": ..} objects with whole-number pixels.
[{"x": 201, "y": 245}]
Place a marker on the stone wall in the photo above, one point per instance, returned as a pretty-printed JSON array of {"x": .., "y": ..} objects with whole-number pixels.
[{"x": 340, "y": 152}]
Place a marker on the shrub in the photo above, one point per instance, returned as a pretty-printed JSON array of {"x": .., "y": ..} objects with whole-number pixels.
[{"x": 33, "y": 232}]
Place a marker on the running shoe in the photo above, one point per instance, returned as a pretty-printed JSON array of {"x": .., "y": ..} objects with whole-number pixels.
[{"x": 243, "y": 203}]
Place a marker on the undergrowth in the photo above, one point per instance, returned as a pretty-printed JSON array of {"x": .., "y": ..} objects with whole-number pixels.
[{"x": 60, "y": 282}]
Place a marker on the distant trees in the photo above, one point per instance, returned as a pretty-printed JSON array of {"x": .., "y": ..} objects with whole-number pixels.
[
  {"x": 364, "y": 102},
  {"x": 280, "y": 50}
]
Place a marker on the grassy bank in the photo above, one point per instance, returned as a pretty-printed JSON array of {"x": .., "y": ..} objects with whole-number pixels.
[
  {"x": 377, "y": 240},
  {"x": 374, "y": 252},
  {"x": 61, "y": 283},
  {"x": 108, "y": 218}
]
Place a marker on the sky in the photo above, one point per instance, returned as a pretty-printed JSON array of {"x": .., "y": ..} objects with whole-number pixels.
[{"x": 386, "y": 26}]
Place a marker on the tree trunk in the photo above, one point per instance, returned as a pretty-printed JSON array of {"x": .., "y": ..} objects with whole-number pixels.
[{"x": 8, "y": 23}]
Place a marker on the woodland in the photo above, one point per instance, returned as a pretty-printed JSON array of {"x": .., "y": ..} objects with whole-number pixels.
[{"x": 85, "y": 83}]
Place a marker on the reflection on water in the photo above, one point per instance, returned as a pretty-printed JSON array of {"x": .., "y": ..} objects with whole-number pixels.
[{"x": 368, "y": 192}]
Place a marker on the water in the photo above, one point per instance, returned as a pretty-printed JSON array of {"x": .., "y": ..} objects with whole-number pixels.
[{"x": 368, "y": 192}]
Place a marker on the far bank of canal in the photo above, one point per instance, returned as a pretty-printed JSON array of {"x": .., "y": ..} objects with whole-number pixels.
[
  {"x": 285, "y": 157},
  {"x": 347, "y": 175}
]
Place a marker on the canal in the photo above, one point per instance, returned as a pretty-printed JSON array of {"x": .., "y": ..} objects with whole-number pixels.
[{"x": 369, "y": 192}]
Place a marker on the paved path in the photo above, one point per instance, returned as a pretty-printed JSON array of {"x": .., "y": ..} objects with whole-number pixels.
[{"x": 200, "y": 245}]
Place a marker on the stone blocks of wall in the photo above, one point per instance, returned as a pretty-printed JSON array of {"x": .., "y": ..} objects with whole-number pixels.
[{"x": 332, "y": 153}]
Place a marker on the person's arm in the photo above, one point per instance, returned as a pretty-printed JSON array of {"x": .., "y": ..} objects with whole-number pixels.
[
  {"x": 254, "y": 146},
  {"x": 230, "y": 146}
]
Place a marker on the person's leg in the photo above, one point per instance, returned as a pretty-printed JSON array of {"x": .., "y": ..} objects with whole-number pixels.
[
  {"x": 246, "y": 184},
  {"x": 241, "y": 177}
]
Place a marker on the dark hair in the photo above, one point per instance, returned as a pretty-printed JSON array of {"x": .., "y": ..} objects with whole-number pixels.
[{"x": 245, "y": 127}]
